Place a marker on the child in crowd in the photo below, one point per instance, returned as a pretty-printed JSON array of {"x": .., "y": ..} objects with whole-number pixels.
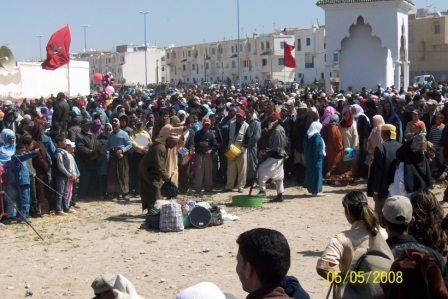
[
  {"x": 17, "y": 182},
  {"x": 61, "y": 175},
  {"x": 72, "y": 183}
]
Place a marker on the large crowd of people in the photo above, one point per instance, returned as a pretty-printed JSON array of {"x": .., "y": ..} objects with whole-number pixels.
[{"x": 205, "y": 138}]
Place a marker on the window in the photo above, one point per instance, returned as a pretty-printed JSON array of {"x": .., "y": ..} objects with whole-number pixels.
[
  {"x": 241, "y": 48},
  {"x": 233, "y": 64},
  {"x": 262, "y": 46},
  {"x": 184, "y": 67},
  {"x": 217, "y": 65},
  {"x": 436, "y": 28},
  {"x": 322, "y": 76},
  {"x": 193, "y": 67},
  {"x": 206, "y": 66},
  {"x": 233, "y": 49},
  {"x": 299, "y": 44},
  {"x": 309, "y": 61},
  {"x": 280, "y": 61},
  {"x": 282, "y": 45},
  {"x": 248, "y": 47},
  {"x": 174, "y": 54},
  {"x": 220, "y": 50},
  {"x": 300, "y": 75},
  {"x": 264, "y": 62},
  {"x": 335, "y": 57},
  {"x": 163, "y": 68},
  {"x": 267, "y": 46},
  {"x": 189, "y": 53},
  {"x": 308, "y": 41},
  {"x": 213, "y": 51},
  {"x": 168, "y": 55}
]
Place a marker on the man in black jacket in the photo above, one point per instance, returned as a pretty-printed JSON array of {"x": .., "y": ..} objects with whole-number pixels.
[
  {"x": 87, "y": 153},
  {"x": 383, "y": 158},
  {"x": 61, "y": 112}
]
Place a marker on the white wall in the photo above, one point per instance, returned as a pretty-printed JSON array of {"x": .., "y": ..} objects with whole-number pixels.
[
  {"x": 385, "y": 18},
  {"x": 31, "y": 81},
  {"x": 134, "y": 66}
]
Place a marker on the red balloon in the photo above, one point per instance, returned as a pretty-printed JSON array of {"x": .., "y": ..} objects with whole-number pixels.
[{"x": 97, "y": 77}]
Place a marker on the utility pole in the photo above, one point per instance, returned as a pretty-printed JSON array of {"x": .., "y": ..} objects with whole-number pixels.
[
  {"x": 238, "y": 45},
  {"x": 85, "y": 36},
  {"x": 144, "y": 13},
  {"x": 39, "y": 37}
]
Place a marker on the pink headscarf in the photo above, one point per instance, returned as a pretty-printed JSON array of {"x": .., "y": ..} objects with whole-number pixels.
[
  {"x": 375, "y": 138},
  {"x": 328, "y": 112}
]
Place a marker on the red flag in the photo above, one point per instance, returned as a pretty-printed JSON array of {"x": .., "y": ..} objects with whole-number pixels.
[
  {"x": 58, "y": 49},
  {"x": 288, "y": 56}
]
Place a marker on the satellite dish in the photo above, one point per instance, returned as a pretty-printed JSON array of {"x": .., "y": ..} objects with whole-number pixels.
[{"x": 7, "y": 60}]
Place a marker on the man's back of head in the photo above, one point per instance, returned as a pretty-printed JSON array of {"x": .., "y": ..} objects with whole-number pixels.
[{"x": 264, "y": 259}]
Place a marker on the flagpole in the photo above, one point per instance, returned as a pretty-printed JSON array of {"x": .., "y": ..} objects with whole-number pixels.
[
  {"x": 284, "y": 66},
  {"x": 68, "y": 77}
]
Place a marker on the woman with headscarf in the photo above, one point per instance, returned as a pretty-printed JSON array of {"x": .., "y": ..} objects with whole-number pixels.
[
  {"x": 328, "y": 113},
  {"x": 374, "y": 139},
  {"x": 363, "y": 128},
  {"x": 349, "y": 137},
  {"x": 314, "y": 150},
  {"x": 334, "y": 145},
  {"x": 172, "y": 167},
  {"x": 392, "y": 118}
]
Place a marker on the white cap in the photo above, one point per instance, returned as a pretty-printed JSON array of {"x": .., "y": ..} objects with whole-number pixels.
[{"x": 398, "y": 210}]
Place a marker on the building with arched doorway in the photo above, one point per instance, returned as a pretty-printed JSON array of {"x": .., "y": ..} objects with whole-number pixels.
[{"x": 371, "y": 39}]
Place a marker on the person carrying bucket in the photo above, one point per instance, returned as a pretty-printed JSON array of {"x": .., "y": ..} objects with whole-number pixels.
[{"x": 237, "y": 155}]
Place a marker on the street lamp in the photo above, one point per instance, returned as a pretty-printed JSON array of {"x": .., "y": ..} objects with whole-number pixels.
[
  {"x": 85, "y": 36},
  {"x": 39, "y": 37},
  {"x": 145, "y": 12},
  {"x": 238, "y": 45}
]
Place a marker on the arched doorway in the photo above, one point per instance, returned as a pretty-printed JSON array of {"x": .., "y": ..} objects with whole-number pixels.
[{"x": 363, "y": 59}]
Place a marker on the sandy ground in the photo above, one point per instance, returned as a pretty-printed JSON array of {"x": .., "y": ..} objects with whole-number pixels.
[{"x": 105, "y": 237}]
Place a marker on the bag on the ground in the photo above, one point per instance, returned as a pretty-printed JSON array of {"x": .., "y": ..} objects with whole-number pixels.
[
  {"x": 216, "y": 216},
  {"x": 349, "y": 154},
  {"x": 153, "y": 218},
  {"x": 421, "y": 277},
  {"x": 171, "y": 218}
]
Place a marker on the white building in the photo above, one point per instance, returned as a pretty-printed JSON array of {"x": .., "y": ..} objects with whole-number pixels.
[
  {"x": 127, "y": 64},
  {"x": 29, "y": 80},
  {"x": 261, "y": 58},
  {"x": 310, "y": 54},
  {"x": 371, "y": 39}
]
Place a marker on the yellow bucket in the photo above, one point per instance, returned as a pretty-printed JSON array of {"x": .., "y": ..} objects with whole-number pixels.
[{"x": 232, "y": 152}]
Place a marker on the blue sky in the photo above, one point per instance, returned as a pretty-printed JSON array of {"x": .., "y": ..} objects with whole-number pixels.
[{"x": 176, "y": 22}]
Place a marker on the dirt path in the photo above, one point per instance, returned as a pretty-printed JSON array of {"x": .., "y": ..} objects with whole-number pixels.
[{"x": 105, "y": 237}]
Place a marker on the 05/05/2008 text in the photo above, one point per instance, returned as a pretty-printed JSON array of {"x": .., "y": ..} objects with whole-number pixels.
[{"x": 362, "y": 277}]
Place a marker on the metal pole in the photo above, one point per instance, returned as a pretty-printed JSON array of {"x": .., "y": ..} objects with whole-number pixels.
[
  {"x": 238, "y": 46},
  {"x": 284, "y": 66},
  {"x": 39, "y": 37},
  {"x": 145, "y": 12},
  {"x": 157, "y": 71},
  {"x": 85, "y": 36}
]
